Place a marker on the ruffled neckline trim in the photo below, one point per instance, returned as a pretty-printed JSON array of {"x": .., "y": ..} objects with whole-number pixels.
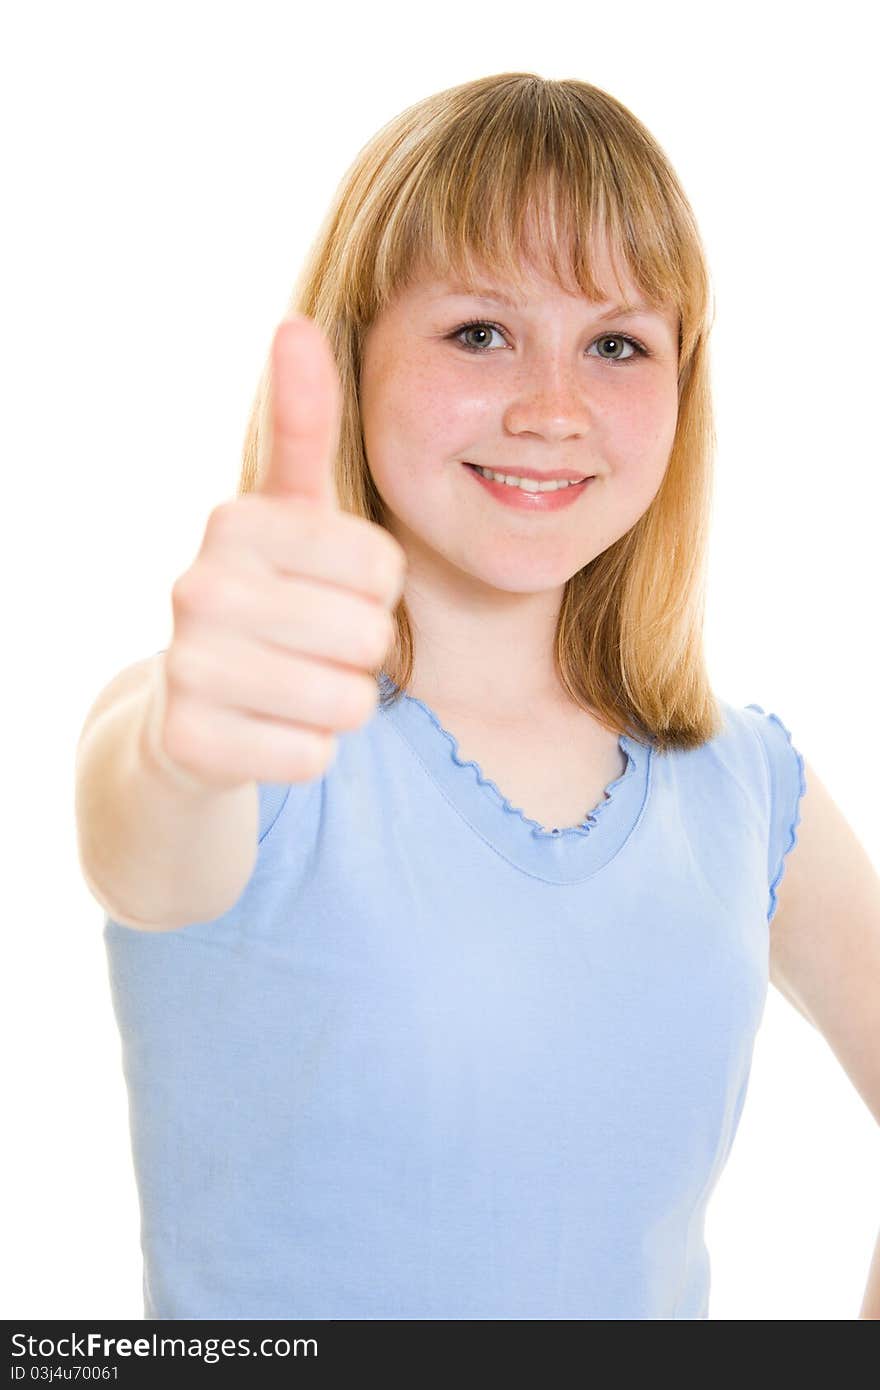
[{"x": 627, "y": 745}]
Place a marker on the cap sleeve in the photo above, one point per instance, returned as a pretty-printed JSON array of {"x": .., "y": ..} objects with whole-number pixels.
[
  {"x": 787, "y": 784},
  {"x": 272, "y": 796}
]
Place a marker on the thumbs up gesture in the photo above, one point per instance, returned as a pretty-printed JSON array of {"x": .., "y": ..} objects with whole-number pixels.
[{"x": 287, "y": 605}]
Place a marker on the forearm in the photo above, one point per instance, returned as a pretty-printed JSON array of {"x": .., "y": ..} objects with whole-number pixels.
[
  {"x": 153, "y": 851},
  {"x": 871, "y": 1302}
]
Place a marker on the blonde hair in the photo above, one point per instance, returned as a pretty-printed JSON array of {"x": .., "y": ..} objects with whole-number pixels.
[{"x": 450, "y": 184}]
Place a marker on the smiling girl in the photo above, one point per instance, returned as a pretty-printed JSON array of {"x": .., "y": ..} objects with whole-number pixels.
[{"x": 438, "y": 882}]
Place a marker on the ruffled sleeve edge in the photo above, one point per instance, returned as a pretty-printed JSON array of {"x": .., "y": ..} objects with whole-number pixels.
[
  {"x": 796, "y": 819},
  {"x": 273, "y": 798}
]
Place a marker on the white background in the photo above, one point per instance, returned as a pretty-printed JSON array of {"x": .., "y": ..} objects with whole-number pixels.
[{"x": 164, "y": 169}]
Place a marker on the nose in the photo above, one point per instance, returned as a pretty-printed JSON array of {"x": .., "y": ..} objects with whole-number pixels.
[{"x": 551, "y": 401}]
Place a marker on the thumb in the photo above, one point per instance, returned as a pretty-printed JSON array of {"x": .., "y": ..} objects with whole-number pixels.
[{"x": 301, "y": 413}]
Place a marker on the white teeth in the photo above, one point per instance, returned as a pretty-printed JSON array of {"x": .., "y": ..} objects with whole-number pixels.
[{"x": 527, "y": 484}]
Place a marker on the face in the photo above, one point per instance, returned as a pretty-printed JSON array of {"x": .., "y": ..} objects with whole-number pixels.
[{"x": 554, "y": 383}]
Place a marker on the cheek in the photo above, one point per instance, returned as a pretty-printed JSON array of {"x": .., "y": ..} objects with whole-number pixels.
[
  {"x": 637, "y": 441},
  {"x": 644, "y": 431},
  {"x": 424, "y": 418}
]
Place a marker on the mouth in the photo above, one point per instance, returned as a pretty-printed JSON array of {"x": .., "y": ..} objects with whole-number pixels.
[
  {"x": 535, "y": 496},
  {"x": 534, "y": 481}
]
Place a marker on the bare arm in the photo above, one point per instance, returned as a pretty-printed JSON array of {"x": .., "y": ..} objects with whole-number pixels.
[
  {"x": 279, "y": 624},
  {"x": 157, "y": 850},
  {"x": 825, "y": 951},
  {"x": 871, "y": 1302}
]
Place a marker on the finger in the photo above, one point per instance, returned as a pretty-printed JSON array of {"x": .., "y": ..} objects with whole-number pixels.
[{"x": 303, "y": 412}]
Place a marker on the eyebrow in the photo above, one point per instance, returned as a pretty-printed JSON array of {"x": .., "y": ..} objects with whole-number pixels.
[{"x": 490, "y": 295}]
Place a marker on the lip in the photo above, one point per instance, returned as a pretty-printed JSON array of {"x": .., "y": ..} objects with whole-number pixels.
[
  {"x": 559, "y": 475},
  {"x": 530, "y": 501}
]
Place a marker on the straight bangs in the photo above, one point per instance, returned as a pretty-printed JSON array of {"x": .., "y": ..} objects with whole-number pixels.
[{"x": 513, "y": 175}]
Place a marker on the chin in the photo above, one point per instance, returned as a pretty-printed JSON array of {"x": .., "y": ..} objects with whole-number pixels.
[{"x": 520, "y": 579}]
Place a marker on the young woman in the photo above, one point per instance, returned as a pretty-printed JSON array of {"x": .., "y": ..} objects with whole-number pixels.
[{"x": 442, "y": 891}]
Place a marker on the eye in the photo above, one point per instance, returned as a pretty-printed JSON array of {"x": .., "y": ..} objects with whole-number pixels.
[
  {"x": 618, "y": 341},
  {"x": 622, "y": 340},
  {"x": 470, "y": 328}
]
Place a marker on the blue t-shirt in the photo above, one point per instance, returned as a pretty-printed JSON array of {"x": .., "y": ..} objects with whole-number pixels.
[{"x": 439, "y": 1062}]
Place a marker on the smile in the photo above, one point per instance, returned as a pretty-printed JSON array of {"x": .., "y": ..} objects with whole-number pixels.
[
  {"x": 527, "y": 494},
  {"x": 527, "y": 484}
]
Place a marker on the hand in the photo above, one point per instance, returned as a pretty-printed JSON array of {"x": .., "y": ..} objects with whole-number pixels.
[{"x": 287, "y": 605}]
